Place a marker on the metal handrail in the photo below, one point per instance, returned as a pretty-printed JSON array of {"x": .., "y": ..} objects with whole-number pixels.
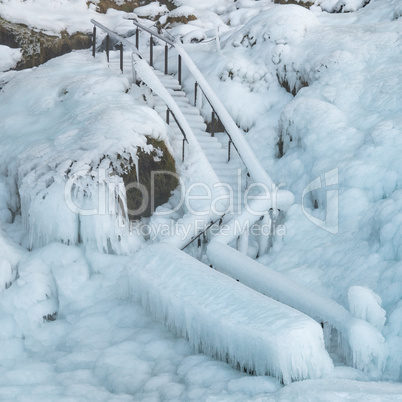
[
  {"x": 114, "y": 35},
  {"x": 150, "y": 31},
  {"x": 212, "y": 223},
  {"x": 135, "y": 53},
  {"x": 169, "y": 42}
]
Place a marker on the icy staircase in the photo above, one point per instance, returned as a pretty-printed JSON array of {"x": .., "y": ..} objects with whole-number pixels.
[
  {"x": 360, "y": 343},
  {"x": 231, "y": 173}
]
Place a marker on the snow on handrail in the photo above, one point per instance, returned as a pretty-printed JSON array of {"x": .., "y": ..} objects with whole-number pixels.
[
  {"x": 150, "y": 31},
  {"x": 114, "y": 35},
  {"x": 360, "y": 343},
  {"x": 148, "y": 76},
  {"x": 248, "y": 157}
]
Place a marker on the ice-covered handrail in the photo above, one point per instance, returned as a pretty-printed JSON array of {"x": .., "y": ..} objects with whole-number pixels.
[
  {"x": 257, "y": 172},
  {"x": 114, "y": 35},
  {"x": 149, "y": 77},
  {"x": 150, "y": 31},
  {"x": 361, "y": 344}
]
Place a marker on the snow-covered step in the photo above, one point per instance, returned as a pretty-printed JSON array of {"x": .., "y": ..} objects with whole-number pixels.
[{"x": 215, "y": 150}]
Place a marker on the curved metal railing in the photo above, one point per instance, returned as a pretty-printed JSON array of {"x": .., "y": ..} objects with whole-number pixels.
[{"x": 136, "y": 56}]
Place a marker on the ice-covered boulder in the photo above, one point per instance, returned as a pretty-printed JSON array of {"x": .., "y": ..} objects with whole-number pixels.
[{"x": 70, "y": 160}]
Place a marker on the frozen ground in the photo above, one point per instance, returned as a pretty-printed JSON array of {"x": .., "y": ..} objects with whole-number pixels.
[{"x": 103, "y": 345}]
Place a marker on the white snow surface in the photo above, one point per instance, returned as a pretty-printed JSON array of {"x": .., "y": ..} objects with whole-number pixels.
[
  {"x": 365, "y": 304},
  {"x": 151, "y": 10},
  {"x": 68, "y": 139},
  {"x": 344, "y": 124},
  {"x": 103, "y": 345},
  {"x": 9, "y": 57},
  {"x": 224, "y": 319}
]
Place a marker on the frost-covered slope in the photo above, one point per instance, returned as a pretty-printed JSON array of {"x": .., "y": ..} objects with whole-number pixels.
[
  {"x": 344, "y": 122},
  {"x": 67, "y": 127},
  {"x": 103, "y": 345}
]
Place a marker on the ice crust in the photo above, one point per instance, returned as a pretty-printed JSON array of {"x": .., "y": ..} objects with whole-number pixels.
[
  {"x": 360, "y": 343},
  {"x": 351, "y": 63},
  {"x": 225, "y": 319},
  {"x": 67, "y": 165}
]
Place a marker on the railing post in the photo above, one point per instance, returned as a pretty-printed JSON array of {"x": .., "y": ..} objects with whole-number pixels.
[
  {"x": 179, "y": 68},
  {"x": 195, "y": 93},
  {"x": 151, "y": 51},
  {"x": 134, "y": 72},
  {"x": 93, "y": 41},
  {"x": 213, "y": 123},
  {"x": 242, "y": 242},
  {"x": 167, "y": 116},
  {"x": 137, "y": 38},
  {"x": 264, "y": 237},
  {"x": 107, "y": 47},
  {"x": 166, "y": 58},
  {"x": 121, "y": 57},
  {"x": 229, "y": 144},
  {"x": 182, "y": 156}
]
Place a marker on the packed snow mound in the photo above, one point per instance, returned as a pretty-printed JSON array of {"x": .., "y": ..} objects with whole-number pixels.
[
  {"x": 365, "y": 304},
  {"x": 10, "y": 255},
  {"x": 280, "y": 25},
  {"x": 224, "y": 319},
  {"x": 77, "y": 129},
  {"x": 218, "y": 7},
  {"x": 9, "y": 57},
  {"x": 151, "y": 10},
  {"x": 338, "y": 6},
  {"x": 70, "y": 15}
]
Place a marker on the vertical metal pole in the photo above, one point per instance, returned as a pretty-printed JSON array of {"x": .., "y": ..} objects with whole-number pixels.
[
  {"x": 213, "y": 123},
  {"x": 242, "y": 242},
  {"x": 137, "y": 38},
  {"x": 166, "y": 58},
  {"x": 182, "y": 156},
  {"x": 195, "y": 93},
  {"x": 134, "y": 73},
  {"x": 107, "y": 47},
  {"x": 151, "y": 51},
  {"x": 229, "y": 144},
  {"x": 121, "y": 57},
  {"x": 93, "y": 41},
  {"x": 167, "y": 116},
  {"x": 179, "y": 68}
]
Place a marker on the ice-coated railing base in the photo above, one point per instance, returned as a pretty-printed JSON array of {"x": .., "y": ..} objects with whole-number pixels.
[
  {"x": 225, "y": 319},
  {"x": 360, "y": 343}
]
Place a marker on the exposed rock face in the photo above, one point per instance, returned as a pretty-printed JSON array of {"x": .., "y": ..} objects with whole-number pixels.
[
  {"x": 182, "y": 19},
  {"x": 126, "y": 5},
  {"x": 122, "y": 5},
  {"x": 303, "y": 3},
  {"x": 37, "y": 47},
  {"x": 157, "y": 186}
]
